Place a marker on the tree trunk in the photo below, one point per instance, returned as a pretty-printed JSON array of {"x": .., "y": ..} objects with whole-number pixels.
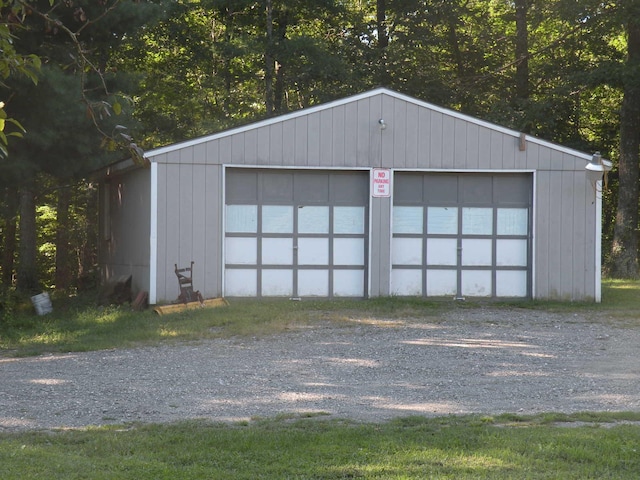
[
  {"x": 27, "y": 274},
  {"x": 623, "y": 262},
  {"x": 9, "y": 231},
  {"x": 269, "y": 60},
  {"x": 522, "y": 50},
  {"x": 89, "y": 249},
  {"x": 279, "y": 89},
  {"x": 63, "y": 274},
  {"x": 383, "y": 42}
]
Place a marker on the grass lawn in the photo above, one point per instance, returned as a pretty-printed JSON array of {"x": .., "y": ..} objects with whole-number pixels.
[
  {"x": 76, "y": 324},
  {"x": 504, "y": 447},
  {"x": 581, "y": 446}
]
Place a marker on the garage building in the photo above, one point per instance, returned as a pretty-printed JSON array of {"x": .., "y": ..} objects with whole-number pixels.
[{"x": 372, "y": 195}]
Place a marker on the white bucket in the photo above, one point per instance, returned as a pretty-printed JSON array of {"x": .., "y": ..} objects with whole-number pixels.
[{"x": 42, "y": 303}]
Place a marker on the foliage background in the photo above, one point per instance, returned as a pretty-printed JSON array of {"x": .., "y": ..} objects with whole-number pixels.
[{"x": 172, "y": 70}]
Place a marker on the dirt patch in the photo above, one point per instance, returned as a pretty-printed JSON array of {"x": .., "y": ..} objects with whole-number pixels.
[{"x": 486, "y": 361}]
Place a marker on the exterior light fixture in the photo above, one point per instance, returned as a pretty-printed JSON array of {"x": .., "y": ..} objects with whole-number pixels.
[
  {"x": 597, "y": 164},
  {"x": 382, "y": 123}
]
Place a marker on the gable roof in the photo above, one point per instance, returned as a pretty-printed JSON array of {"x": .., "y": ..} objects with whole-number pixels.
[{"x": 354, "y": 98}]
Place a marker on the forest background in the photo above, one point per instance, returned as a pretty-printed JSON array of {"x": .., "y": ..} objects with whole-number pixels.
[{"x": 88, "y": 82}]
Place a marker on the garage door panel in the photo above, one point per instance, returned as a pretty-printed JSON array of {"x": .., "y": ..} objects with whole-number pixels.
[
  {"x": 277, "y": 283},
  {"x": 277, "y": 219},
  {"x": 348, "y": 220},
  {"x": 405, "y": 282},
  {"x": 406, "y": 251},
  {"x": 476, "y": 283},
  {"x": 240, "y": 282},
  {"x": 476, "y": 189},
  {"x": 348, "y": 283},
  {"x": 513, "y": 221},
  {"x": 313, "y": 283},
  {"x": 511, "y": 252},
  {"x": 511, "y": 283},
  {"x": 408, "y": 220},
  {"x": 242, "y": 218},
  {"x": 477, "y": 221},
  {"x": 442, "y": 282},
  {"x": 277, "y": 251},
  {"x": 477, "y": 252},
  {"x": 313, "y": 251},
  {"x": 313, "y": 219},
  {"x": 277, "y": 187},
  {"x": 305, "y": 232},
  {"x": 476, "y": 237},
  {"x": 442, "y": 251},
  {"x": 348, "y": 251},
  {"x": 442, "y": 220},
  {"x": 311, "y": 188},
  {"x": 241, "y": 250}
]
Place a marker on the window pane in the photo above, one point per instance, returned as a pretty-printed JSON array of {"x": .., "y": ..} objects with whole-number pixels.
[
  {"x": 313, "y": 219},
  {"x": 348, "y": 251},
  {"x": 513, "y": 221},
  {"x": 241, "y": 250},
  {"x": 476, "y": 251},
  {"x": 242, "y": 218},
  {"x": 406, "y": 282},
  {"x": 477, "y": 221},
  {"x": 442, "y": 220},
  {"x": 407, "y": 220},
  {"x": 511, "y": 283},
  {"x": 441, "y": 282},
  {"x": 277, "y": 251},
  {"x": 442, "y": 251},
  {"x": 240, "y": 283},
  {"x": 348, "y": 220},
  {"x": 511, "y": 252},
  {"x": 313, "y": 251},
  {"x": 313, "y": 283},
  {"x": 406, "y": 251},
  {"x": 277, "y": 283},
  {"x": 476, "y": 283},
  {"x": 277, "y": 219},
  {"x": 348, "y": 283}
]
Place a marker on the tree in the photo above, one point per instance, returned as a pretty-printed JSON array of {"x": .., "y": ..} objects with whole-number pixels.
[
  {"x": 70, "y": 115},
  {"x": 623, "y": 262},
  {"x": 12, "y": 63}
]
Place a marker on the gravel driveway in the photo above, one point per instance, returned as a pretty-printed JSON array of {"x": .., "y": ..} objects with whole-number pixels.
[{"x": 466, "y": 361}]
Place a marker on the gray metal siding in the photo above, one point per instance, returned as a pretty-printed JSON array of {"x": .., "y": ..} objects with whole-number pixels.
[
  {"x": 380, "y": 257},
  {"x": 564, "y": 241},
  {"x": 347, "y": 135},
  {"x": 189, "y": 227},
  {"x": 126, "y": 250}
]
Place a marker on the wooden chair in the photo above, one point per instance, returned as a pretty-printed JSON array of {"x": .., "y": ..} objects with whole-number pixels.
[{"x": 185, "y": 282}]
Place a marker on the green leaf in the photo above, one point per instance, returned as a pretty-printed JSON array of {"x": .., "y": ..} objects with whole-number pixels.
[
  {"x": 17, "y": 124},
  {"x": 117, "y": 108}
]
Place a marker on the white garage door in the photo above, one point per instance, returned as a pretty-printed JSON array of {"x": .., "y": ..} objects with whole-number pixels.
[
  {"x": 462, "y": 235},
  {"x": 295, "y": 234}
]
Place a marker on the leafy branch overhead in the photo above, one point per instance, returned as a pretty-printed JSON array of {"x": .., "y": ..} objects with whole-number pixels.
[{"x": 68, "y": 34}]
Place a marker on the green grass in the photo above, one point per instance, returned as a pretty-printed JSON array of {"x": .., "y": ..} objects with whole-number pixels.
[
  {"x": 76, "y": 324},
  {"x": 469, "y": 447},
  {"x": 590, "y": 445}
]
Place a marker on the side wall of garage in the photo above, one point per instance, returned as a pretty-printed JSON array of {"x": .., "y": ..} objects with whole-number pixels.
[{"x": 124, "y": 204}]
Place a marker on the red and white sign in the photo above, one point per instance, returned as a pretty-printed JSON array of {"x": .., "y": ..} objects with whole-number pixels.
[{"x": 381, "y": 186}]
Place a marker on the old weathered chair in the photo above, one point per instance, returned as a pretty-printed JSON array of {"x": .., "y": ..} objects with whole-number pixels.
[{"x": 185, "y": 281}]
